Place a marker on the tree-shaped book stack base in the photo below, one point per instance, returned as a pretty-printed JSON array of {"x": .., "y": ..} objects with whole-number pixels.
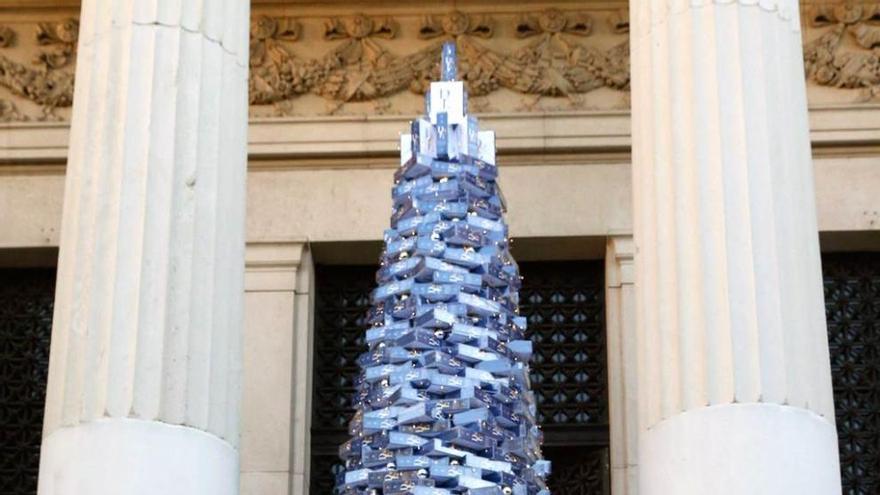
[{"x": 443, "y": 402}]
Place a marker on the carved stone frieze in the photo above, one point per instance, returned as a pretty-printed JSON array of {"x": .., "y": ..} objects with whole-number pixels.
[
  {"x": 553, "y": 21},
  {"x": 846, "y": 52},
  {"x": 556, "y": 64},
  {"x": 47, "y": 79},
  {"x": 275, "y": 74},
  {"x": 7, "y": 37},
  {"x": 373, "y": 61},
  {"x": 456, "y": 23},
  {"x": 512, "y": 60}
]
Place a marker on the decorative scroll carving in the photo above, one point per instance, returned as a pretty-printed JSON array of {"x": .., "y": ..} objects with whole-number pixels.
[
  {"x": 61, "y": 37},
  {"x": 42, "y": 82},
  {"x": 359, "y": 27},
  {"x": 826, "y": 60},
  {"x": 556, "y": 65},
  {"x": 7, "y": 37},
  {"x": 49, "y": 88},
  {"x": 619, "y": 21},
  {"x": 456, "y": 24},
  {"x": 477, "y": 64},
  {"x": 534, "y": 61},
  {"x": 554, "y": 21},
  {"x": 358, "y": 69},
  {"x": 275, "y": 73},
  {"x": 9, "y": 112},
  {"x": 361, "y": 68}
]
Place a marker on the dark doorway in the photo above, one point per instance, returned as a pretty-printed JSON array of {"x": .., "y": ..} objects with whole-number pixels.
[
  {"x": 564, "y": 303},
  {"x": 26, "y": 297},
  {"x": 852, "y": 307}
]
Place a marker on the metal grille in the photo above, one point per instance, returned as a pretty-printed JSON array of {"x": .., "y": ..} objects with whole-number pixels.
[
  {"x": 579, "y": 471},
  {"x": 342, "y": 300},
  {"x": 324, "y": 469},
  {"x": 564, "y": 303},
  {"x": 26, "y": 298},
  {"x": 852, "y": 306}
]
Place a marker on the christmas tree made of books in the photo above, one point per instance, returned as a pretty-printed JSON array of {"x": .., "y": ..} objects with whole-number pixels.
[{"x": 443, "y": 401}]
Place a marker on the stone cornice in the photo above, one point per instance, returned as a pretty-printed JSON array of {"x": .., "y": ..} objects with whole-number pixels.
[{"x": 45, "y": 143}]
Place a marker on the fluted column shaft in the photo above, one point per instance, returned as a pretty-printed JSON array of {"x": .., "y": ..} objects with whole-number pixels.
[
  {"x": 735, "y": 389},
  {"x": 143, "y": 393}
]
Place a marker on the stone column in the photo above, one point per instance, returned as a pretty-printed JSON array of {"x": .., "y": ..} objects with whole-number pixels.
[
  {"x": 735, "y": 381},
  {"x": 143, "y": 394}
]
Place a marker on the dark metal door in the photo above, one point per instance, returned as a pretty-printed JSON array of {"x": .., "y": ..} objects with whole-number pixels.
[
  {"x": 564, "y": 303},
  {"x": 852, "y": 307},
  {"x": 26, "y": 298}
]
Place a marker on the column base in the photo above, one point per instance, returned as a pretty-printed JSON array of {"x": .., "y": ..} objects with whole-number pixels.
[
  {"x": 136, "y": 457},
  {"x": 740, "y": 448}
]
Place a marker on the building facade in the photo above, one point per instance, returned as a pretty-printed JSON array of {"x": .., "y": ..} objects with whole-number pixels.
[{"x": 606, "y": 115}]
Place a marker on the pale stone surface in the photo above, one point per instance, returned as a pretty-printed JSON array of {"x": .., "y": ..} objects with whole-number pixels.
[
  {"x": 730, "y": 301},
  {"x": 30, "y": 201},
  {"x": 588, "y": 132},
  {"x": 302, "y": 377},
  {"x": 353, "y": 204},
  {"x": 848, "y": 194},
  {"x": 30, "y": 209},
  {"x": 276, "y": 413},
  {"x": 621, "y": 342},
  {"x": 256, "y": 483},
  {"x": 758, "y": 449},
  {"x": 121, "y": 455},
  {"x": 267, "y": 388},
  {"x": 148, "y": 308}
]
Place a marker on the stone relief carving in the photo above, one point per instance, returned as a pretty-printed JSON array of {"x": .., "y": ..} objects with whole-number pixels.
[
  {"x": 456, "y": 24},
  {"x": 7, "y": 37},
  {"x": 556, "y": 63},
  {"x": 44, "y": 81},
  {"x": 358, "y": 68},
  {"x": 368, "y": 64},
  {"x": 61, "y": 37},
  {"x": 275, "y": 73},
  {"x": 9, "y": 112},
  {"x": 827, "y": 60},
  {"x": 477, "y": 65}
]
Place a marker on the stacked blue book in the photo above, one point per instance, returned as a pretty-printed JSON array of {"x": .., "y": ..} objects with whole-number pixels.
[{"x": 443, "y": 401}]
